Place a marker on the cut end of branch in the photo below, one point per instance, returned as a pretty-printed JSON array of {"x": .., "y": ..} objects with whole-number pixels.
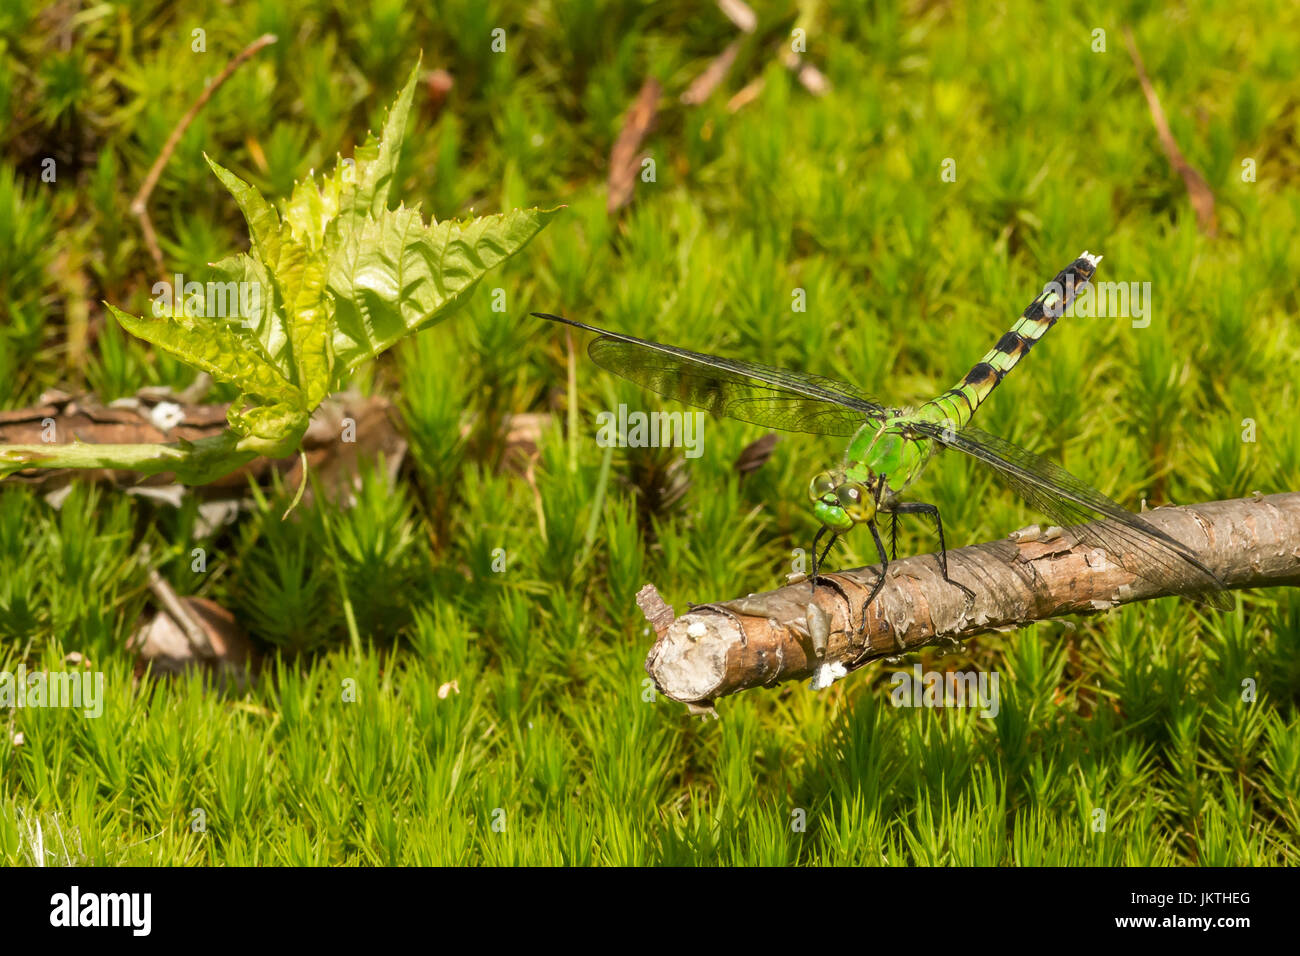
[
  {"x": 795, "y": 633},
  {"x": 689, "y": 661}
]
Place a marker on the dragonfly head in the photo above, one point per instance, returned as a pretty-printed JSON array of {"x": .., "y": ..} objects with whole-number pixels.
[{"x": 840, "y": 504}]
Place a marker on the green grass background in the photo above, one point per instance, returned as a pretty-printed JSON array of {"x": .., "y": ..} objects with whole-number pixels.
[{"x": 553, "y": 750}]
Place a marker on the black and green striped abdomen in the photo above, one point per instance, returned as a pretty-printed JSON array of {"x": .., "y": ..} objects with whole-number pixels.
[{"x": 957, "y": 405}]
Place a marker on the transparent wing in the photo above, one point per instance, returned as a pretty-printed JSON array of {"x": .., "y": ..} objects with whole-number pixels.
[
  {"x": 1162, "y": 560},
  {"x": 771, "y": 397}
]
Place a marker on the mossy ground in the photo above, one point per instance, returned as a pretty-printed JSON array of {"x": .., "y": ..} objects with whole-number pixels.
[{"x": 549, "y": 751}]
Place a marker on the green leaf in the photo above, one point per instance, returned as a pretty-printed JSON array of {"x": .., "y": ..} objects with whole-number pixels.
[
  {"x": 270, "y": 430},
  {"x": 376, "y": 163},
  {"x": 296, "y": 341},
  {"x": 311, "y": 209},
  {"x": 218, "y": 349},
  {"x": 264, "y": 319},
  {"x": 307, "y": 315},
  {"x": 340, "y": 277},
  {"x": 263, "y": 221},
  {"x": 395, "y": 275}
]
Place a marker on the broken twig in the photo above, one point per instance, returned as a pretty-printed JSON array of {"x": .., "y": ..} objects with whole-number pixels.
[
  {"x": 764, "y": 639},
  {"x": 139, "y": 205},
  {"x": 1198, "y": 190},
  {"x": 625, "y": 158}
]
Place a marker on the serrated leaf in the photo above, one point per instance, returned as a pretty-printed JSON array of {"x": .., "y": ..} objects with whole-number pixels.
[
  {"x": 341, "y": 279},
  {"x": 218, "y": 349},
  {"x": 271, "y": 430},
  {"x": 263, "y": 319},
  {"x": 263, "y": 221},
  {"x": 311, "y": 209},
  {"x": 302, "y": 281},
  {"x": 375, "y": 163},
  {"x": 295, "y": 341},
  {"x": 394, "y": 275}
]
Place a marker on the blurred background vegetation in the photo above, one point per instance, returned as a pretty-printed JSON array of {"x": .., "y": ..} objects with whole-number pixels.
[{"x": 503, "y": 716}]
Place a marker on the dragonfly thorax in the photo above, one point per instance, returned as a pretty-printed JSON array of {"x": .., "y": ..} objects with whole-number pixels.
[
  {"x": 881, "y": 460},
  {"x": 890, "y": 450}
]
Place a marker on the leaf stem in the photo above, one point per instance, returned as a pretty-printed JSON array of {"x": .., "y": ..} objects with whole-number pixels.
[{"x": 193, "y": 462}]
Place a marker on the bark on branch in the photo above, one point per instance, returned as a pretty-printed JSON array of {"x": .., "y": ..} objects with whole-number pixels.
[
  {"x": 64, "y": 423},
  {"x": 765, "y": 639}
]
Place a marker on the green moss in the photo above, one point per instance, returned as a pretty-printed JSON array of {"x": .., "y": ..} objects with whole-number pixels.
[{"x": 496, "y": 710}]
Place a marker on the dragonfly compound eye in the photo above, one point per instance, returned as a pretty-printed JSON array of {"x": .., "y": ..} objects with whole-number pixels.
[
  {"x": 856, "y": 501},
  {"x": 821, "y": 486}
]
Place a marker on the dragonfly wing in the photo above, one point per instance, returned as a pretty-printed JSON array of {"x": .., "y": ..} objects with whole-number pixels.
[
  {"x": 1162, "y": 559},
  {"x": 771, "y": 397}
]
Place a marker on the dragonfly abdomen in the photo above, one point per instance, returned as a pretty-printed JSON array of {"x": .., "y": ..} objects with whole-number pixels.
[{"x": 957, "y": 405}]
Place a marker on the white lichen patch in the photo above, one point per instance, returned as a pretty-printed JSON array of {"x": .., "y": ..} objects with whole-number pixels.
[
  {"x": 166, "y": 416},
  {"x": 827, "y": 673}
]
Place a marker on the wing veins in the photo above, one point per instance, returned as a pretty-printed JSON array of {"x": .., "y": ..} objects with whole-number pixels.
[
  {"x": 759, "y": 394},
  {"x": 1059, "y": 494}
]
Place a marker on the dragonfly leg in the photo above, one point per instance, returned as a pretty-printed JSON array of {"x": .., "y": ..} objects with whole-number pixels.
[
  {"x": 880, "y": 581},
  {"x": 818, "y": 561},
  {"x": 921, "y": 508},
  {"x": 893, "y": 536}
]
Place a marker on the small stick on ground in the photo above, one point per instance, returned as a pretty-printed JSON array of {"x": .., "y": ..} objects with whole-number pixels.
[
  {"x": 625, "y": 158},
  {"x": 739, "y": 13},
  {"x": 702, "y": 86},
  {"x": 189, "y": 625},
  {"x": 765, "y": 639},
  {"x": 812, "y": 79},
  {"x": 139, "y": 205},
  {"x": 1198, "y": 190}
]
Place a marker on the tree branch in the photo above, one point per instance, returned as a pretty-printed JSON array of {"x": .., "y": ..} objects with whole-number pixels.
[
  {"x": 765, "y": 639},
  {"x": 125, "y": 442}
]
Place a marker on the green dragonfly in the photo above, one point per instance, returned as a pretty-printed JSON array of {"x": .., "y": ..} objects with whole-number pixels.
[{"x": 890, "y": 447}]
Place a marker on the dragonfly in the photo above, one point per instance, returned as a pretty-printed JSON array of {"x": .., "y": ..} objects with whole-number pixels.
[{"x": 889, "y": 448}]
